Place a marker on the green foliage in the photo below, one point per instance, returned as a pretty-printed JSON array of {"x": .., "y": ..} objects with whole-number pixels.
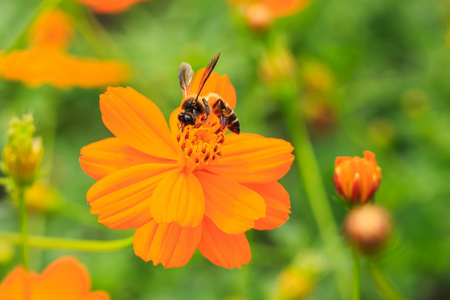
[{"x": 391, "y": 68}]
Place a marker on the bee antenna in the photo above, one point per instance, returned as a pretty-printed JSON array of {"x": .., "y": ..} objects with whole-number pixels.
[{"x": 209, "y": 68}]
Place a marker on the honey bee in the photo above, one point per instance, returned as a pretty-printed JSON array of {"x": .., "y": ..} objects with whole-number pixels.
[{"x": 199, "y": 107}]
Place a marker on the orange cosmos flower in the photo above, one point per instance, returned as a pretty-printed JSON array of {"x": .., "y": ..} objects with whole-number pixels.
[
  {"x": 46, "y": 61},
  {"x": 184, "y": 190},
  {"x": 357, "y": 179},
  {"x": 109, "y": 6},
  {"x": 65, "y": 278},
  {"x": 260, "y": 14}
]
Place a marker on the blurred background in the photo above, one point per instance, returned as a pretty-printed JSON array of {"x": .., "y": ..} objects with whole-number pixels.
[{"x": 367, "y": 75}]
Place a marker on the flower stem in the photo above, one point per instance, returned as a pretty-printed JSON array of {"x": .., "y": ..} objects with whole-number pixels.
[
  {"x": 70, "y": 244},
  {"x": 94, "y": 33},
  {"x": 356, "y": 289},
  {"x": 382, "y": 283},
  {"x": 23, "y": 226},
  {"x": 45, "y": 4},
  {"x": 315, "y": 190}
]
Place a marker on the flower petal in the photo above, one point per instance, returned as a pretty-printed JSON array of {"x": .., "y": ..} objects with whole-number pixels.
[
  {"x": 215, "y": 84},
  {"x": 122, "y": 199},
  {"x": 168, "y": 244},
  {"x": 173, "y": 121},
  {"x": 253, "y": 158},
  {"x": 41, "y": 65},
  {"x": 109, "y": 6},
  {"x": 14, "y": 285},
  {"x": 277, "y": 202},
  {"x": 109, "y": 155},
  {"x": 231, "y": 206},
  {"x": 137, "y": 121},
  {"x": 63, "y": 279},
  {"x": 222, "y": 249},
  {"x": 178, "y": 198},
  {"x": 285, "y": 8}
]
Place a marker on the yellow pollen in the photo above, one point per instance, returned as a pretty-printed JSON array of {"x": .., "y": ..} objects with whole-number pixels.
[{"x": 200, "y": 144}]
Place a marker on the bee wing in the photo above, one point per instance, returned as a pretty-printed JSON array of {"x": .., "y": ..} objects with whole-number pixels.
[
  {"x": 208, "y": 71},
  {"x": 185, "y": 74}
]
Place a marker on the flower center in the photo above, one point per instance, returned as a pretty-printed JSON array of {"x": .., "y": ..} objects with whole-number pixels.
[{"x": 200, "y": 145}]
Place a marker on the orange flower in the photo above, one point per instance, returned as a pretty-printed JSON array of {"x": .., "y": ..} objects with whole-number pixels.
[
  {"x": 261, "y": 13},
  {"x": 184, "y": 190},
  {"x": 65, "y": 278},
  {"x": 46, "y": 61},
  {"x": 109, "y": 6},
  {"x": 357, "y": 179}
]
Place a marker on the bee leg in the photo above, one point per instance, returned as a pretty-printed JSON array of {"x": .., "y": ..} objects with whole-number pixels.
[
  {"x": 220, "y": 112},
  {"x": 207, "y": 109},
  {"x": 223, "y": 121}
]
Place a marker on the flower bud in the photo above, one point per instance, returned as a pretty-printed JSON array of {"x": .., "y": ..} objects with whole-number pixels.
[
  {"x": 42, "y": 197},
  {"x": 278, "y": 64},
  {"x": 23, "y": 152},
  {"x": 6, "y": 252},
  {"x": 299, "y": 279},
  {"x": 368, "y": 228},
  {"x": 294, "y": 283},
  {"x": 317, "y": 77},
  {"x": 357, "y": 179}
]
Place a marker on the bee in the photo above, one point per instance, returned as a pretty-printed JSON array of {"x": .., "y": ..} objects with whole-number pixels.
[{"x": 199, "y": 107}]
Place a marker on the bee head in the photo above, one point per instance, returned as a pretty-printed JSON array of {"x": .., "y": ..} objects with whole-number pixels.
[{"x": 186, "y": 119}]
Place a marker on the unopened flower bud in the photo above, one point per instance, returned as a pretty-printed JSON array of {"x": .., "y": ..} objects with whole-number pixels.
[
  {"x": 6, "y": 252},
  {"x": 278, "y": 65},
  {"x": 368, "y": 228},
  {"x": 23, "y": 152},
  {"x": 317, "y": 77},
  {"x": 357, "y": 179},
  {"x": 42, "y": 198},
  {"x": 294, "y": 283}
]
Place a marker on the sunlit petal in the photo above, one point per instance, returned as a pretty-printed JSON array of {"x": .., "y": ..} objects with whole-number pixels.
[
  {"x": 231, "y": 206},
  {"x": 109, "y": 155},
  {"x": 65, "y": 278},
  {"x": 178, "y": 198},
  {"x": 277, "y": 202},
  {"x": 122, "y": 199},
  {"x": 137, "y": 121},
  {"x": 222, "y": 249},
  {"x": 253, "y": 158},
  {"x": 168, "y": 244}
]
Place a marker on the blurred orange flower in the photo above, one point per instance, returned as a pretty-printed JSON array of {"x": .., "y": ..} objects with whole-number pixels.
[
  {"x": 110, "y": 6},
  {"x": 184, "y": 190},
  {"x": 65, "y": 278},
  {"x": 357, "y": 179},
  {"x": 261, "y": 13},
  {"x": 46, "y": 61}
]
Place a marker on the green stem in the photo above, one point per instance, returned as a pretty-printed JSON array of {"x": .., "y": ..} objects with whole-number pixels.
[
  {"x": 23, "y": 226},
  {"x": 46, "y": 4},
  {"x": 315, "y": 190},
  {"x": 356, "y": 289},
  {"x": 94, "y": 33},
  {"x": 70, "y": 244},
  {"x": 382, "y": 283}
]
